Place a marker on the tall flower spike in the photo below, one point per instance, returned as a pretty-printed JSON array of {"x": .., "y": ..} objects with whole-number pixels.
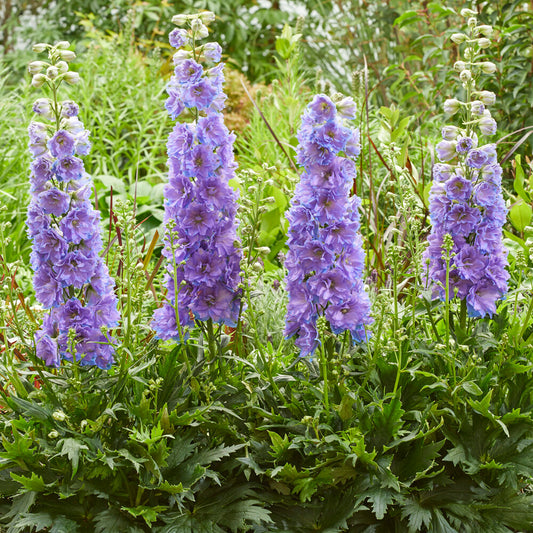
[
  {"x": 70, "y": 278},
  {"x": 325, "y": 259},
  {"x": 466, "y": 198},
  {"x": 201, "y": 244}
]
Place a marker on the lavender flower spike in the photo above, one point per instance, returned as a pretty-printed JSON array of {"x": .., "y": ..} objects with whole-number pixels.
[
  {"x": 325, "y": 259},
  {"x": 201, "y": 244},
  {"x": 70, "y": 279},
  {"x": 466, "y": 203}
]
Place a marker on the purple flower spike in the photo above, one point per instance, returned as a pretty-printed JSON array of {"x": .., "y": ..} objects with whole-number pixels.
[
  {"x": 466, "y": 203},
  {"x": 200, "y": 205},
  {"x": 325, "y": 258},
  {"x": 66, "y": 246}
]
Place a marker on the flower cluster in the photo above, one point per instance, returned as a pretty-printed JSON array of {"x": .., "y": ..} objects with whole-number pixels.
[
  {"x": 466, "y": 200},
  {"x": 201, "y": 245},
  {"x": 70, "y": 278},
  {"x": 325, "y": 259}
]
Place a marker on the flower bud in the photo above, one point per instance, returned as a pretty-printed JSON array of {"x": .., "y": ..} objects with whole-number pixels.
[
  {"x": 458, "y": 38},
  {"x": 179, "y": 20},
  {"x": 487, "y": 125},
  {"x": 472, "y": 21},
  {"x": 72, "y": 78},
  {"x": 451, "y": 106},
  {"x": 485, "y": 30},
  {"x": 207, "y": 17},
  {"x": 488, "y": 67},
  {"x": 39, "y": 47},
  {"x": 465, "y": 76},
  {"x": 62, "y": 66},
  {"x": 53, "y": 434},
  {"x": 62, "y": 45},
  {"x": 36, "y": 66},
  {"x": 483, "y": 42},
  {"x": 59, "y": 415},
  {"x": 52, "y": 72},
  {"x": 468, "y": 12},
  {"x": 477, "y": 107},
  {"x": 450, "y": 133},
  {"x": 487, "y": 97},
  {"x": 459, "y": 66},
  {"x": 469, "y": 53},
  {"x": 38, "y": 80},
  {"x": 66, "y": 55},
  {"x": 180, "y": 56},
  {"x": 199, "y": 30}
]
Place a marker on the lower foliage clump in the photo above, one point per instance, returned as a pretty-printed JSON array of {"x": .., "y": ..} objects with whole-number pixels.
[{"x": 247, "y": 444}]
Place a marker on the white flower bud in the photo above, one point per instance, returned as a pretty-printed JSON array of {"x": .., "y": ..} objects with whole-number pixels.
[
  {"x": 469, "y": 53},
  {"x": 38, "y": 80},
  {"x": 199, "y": 30},
  {"x": 180, "y": 56},
  {"x": 72, "y": 78},
  {"x": 458, "y": 38},
  {"x": 62, "y": 45},
  {"x": 36, "y": 66},
  {"x": 485, "y": 30},
  {"x": 468, "y": 12},
  {"x": 450, "y": 133},
  {"x": 451, "y": 106},
  {"x": 472, "y": 21},
  {"x": 59, "y": 415},
  {"x": 62, "y": 67},
  {"x": 207, "y": 17},
  {"x": 487, "y": 125},
  {"x": 488, "y": 67},
  {"x": 52, "y": 72},
  {"x": 179, "y": 20},
  {"x": 465, "y": 76},
  {"x": 459, "y": 66},
  {"x": 66, "y": 55},
  {"x": 487, "y": 97},
  {"x": 39, "y": 47},
  {"x": 53, "y": 434},
  {"x": 483, "y": 42}
]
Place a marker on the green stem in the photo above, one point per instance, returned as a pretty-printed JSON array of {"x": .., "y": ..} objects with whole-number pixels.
[{"x": 325, "y": 377}]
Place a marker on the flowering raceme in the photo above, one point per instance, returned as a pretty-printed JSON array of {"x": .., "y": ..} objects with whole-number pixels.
[
  {"x": 466, "y": 199},
  {"x": 201, "y": 245},
  {"x": 325, "y": 259},
  {"x": 70, "y": 278}
]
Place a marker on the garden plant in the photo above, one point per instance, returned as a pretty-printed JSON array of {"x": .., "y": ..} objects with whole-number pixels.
[{"x": 296, "y": 301}]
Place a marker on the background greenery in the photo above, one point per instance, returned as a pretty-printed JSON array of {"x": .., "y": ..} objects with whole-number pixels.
[{"x": 416, "y": 435}]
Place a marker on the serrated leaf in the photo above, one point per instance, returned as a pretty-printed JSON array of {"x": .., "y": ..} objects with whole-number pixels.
[
  {"x": 380, "y": 499},
  {"x": 33, "y": 483},
  {"x": 71, "y": 448},
  {"x": 149, "y": 514}
]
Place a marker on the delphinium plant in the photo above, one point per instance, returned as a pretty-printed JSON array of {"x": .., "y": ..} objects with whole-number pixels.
[
  {"x": 325, "y": 259},
  {"x": 466, "y": 257},
  {"x": 71, "y": 279},
  {"x": 201, "y": 243}
]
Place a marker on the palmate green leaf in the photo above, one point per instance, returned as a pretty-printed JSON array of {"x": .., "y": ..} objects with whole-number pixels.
[
  {"x": 112, "y": 520},
  {"x": 28, "y": 522},
  {"x": 21, "y": 504},
  {"x": 380, "y": 499},
  {"x": 72, "y": 448},
  {"x": 33, "y": 483},
  {"x": 62, "y": 524},
  {"x": 150, "y": 514},
  {"x": 416, "y": 514}
]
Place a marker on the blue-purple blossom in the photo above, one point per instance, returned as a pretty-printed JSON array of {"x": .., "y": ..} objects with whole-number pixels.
[
  {"x": 202, "y": 245},
  {"x": 325, "y": 258},
  {"x": 64, "y": 228}
]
